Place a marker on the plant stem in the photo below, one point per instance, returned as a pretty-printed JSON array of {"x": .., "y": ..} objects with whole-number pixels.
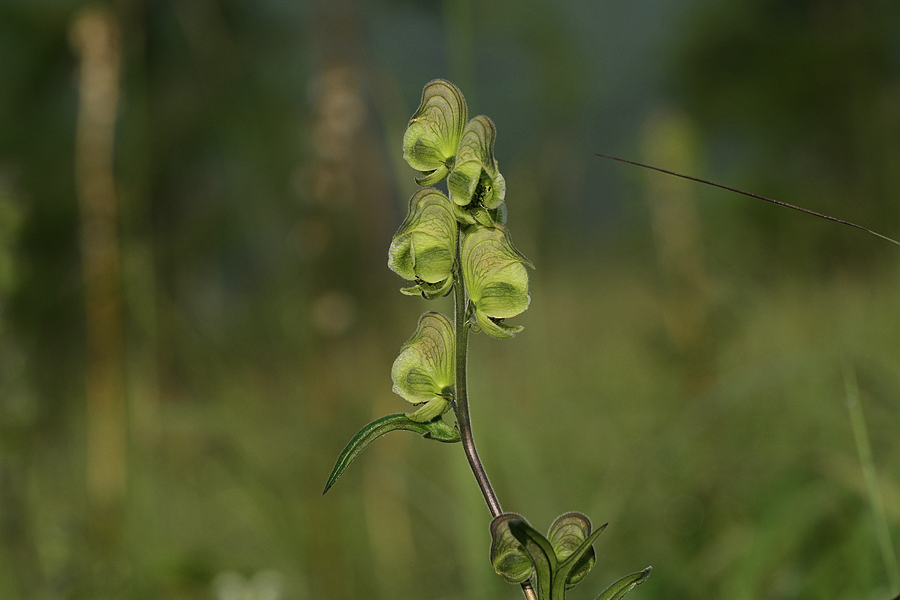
[
  {"x": 870, "y": 476},
  {"x": 461, "y": 398}
]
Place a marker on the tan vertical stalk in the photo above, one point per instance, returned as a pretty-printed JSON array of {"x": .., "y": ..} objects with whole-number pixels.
[
  {"x": 668, "y": 140},
  {"x": 95, "y": 37}
]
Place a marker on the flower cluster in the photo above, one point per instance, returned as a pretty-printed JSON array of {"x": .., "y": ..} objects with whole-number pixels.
[
  {"x": 553, "y": 563},
  {"x": 453, "y": 233}
]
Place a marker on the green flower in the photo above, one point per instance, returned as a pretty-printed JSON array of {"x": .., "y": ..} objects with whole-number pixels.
[
  {"x": 566, "y": 535},
  {"x": 553, "y": 563},
  {"x": 424, "y": 247},
  {"x": 496, "y": 279},
  {"x": 425, "y": 371},
  {"x": 432, "y": 137},
  {"x": 475, "y": 181},
  {"x": 509, "y": 558}
]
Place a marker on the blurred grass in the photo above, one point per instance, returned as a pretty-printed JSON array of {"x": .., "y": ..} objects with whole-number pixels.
[
  {"x": 691, "y": 395},
  {"x": 749, "y": 488}
]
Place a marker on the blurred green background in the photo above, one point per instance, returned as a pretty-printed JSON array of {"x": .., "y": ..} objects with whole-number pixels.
[{"x": 196, "y": 319}]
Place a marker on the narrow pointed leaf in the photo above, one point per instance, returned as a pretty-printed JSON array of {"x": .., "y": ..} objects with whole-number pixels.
[
  {"x": 542, "y": 556},
  {"x": 624, "y": 585},
  {"x": 435, "y": 430},
  {"x": 573, "y": 569}
]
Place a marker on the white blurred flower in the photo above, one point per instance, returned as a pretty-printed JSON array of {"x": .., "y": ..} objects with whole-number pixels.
[{"x": 264, "y": 585}]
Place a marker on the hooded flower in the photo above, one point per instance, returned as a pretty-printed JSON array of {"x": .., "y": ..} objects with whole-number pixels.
[
  {"x": 432, "y": 137},
  {"x": 475, "y": 182},
  {"x": 555, "y": 562},
  {"x": 425, "y": 370},
  {"x": 496, "y": 279},
  {"x": 509, "y": 558},
  {"x": 567, "y": 533},
  {"x": 424, "y": 247}
]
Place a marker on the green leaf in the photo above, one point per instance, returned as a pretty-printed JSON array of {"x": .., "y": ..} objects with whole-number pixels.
[
  {"x": 496, "y": 279},
  {"x": 568, "y": 535},
  {"x": 475, "y": 179},
  {"x": 435, "y": 430},
  {"x": 425, "y": 372},
  {"x": 624, "y": 585},
  {"x": 542, "y": 556},
  {"x": 508, "y": 556},
  {"x": 573, "y": 569},
  {"x": 424, "y": 248},
  {"x": 434, "y": 132}
]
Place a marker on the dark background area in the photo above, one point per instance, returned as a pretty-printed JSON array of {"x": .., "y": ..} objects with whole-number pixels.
[{"x": 683, "y": 367}]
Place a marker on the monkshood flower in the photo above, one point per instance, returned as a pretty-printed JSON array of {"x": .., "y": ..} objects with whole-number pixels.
[
  {"x": 475, "y": 183},
  {"x": 433, "y": 135},
  {"x": 566, "y": 535},
  {"x": 425, "y": 370},
  {"x": 555, "y": 562},
  {"x": 496, "y": 279},
  {"x": 424, "y": 247}
]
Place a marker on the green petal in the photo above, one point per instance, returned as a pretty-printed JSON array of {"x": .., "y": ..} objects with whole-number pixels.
[
  {"x": 506, "y": 292},
  {"x": 430, "y": 410},
  {"x": 425, "y": 368},
  {"x": 429, "y": 291},
  {"x": 424, "y": 247},
  {"x": 432, "y": 177},
  {"x": 434, "y": 132},
  {"x": 463, "y": 182},
  {"x": 495, "y": 328},
  {"x": 475, "y": 179}
]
